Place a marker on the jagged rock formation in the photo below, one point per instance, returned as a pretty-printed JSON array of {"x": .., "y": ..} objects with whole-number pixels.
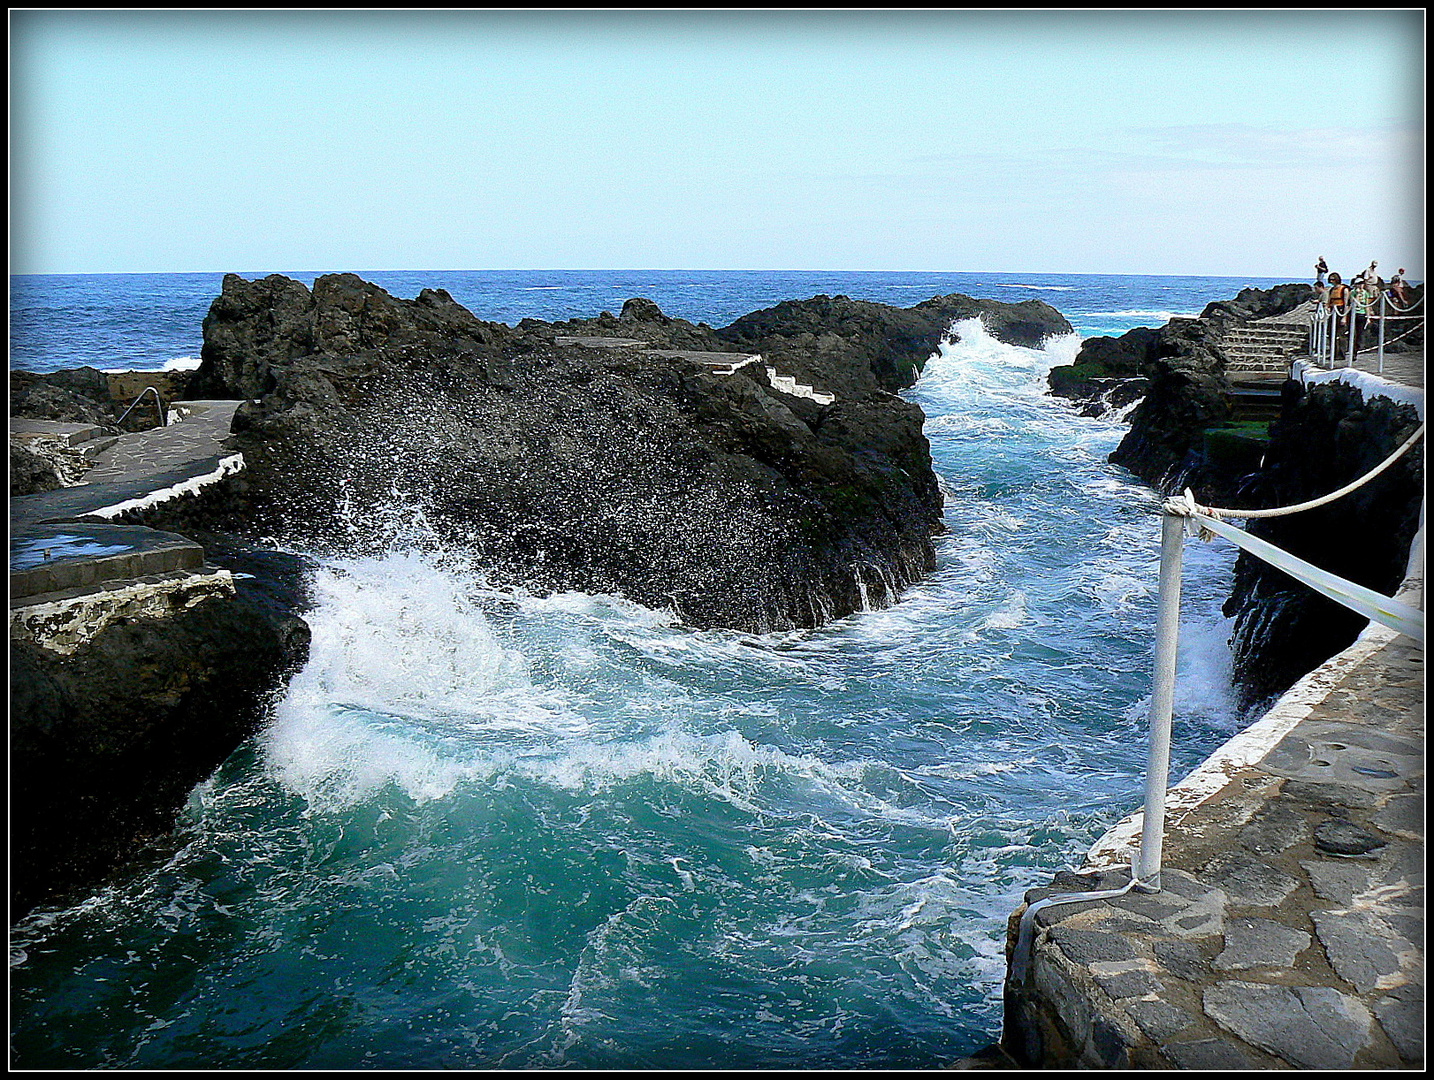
[
  {"x": 1252, "y": 303},
  {"x": 1188, "y": 392},
  {"x": 1328, "y": 438},
  {"x": 618, "y": 468}
]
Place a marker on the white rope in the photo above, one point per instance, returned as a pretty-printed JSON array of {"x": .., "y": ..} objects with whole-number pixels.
[
  {"x": 1186, "y": 504},
  {"x": 1375, "y": 606},
  {"x": 1024, "y": 954}
]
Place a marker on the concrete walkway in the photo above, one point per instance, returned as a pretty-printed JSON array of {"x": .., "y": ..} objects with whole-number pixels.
[
  {"x": 1406, "y": 368},
  {"x": 1289, "y": 930},
  {"x": 63, "y": 542}
]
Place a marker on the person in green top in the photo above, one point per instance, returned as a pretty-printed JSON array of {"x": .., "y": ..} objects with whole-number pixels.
[{"x": 1363, "y": 299}]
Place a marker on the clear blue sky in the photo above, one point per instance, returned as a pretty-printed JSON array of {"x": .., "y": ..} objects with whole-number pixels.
[{"x": 1220, "y": 142}]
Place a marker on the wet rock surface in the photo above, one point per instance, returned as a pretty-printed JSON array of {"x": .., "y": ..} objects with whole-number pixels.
[
  {"x": 108, "y": 739},
  {"x": 590, "y": 454},
  {"x": 1329, "y": 437}
]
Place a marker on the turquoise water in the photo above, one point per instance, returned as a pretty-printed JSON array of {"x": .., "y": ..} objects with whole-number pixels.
[{"x": 487, "y": 829}]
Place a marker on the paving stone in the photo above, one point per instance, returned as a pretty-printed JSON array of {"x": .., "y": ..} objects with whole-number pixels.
[
  {"x": 1401, "y": 1015},
  {"x": 1258, "y": 943},
  {"x": 1158, "y": 1019},
  {"x": 1327, "y": 795},
  {"x": 1206, "y": 1054},
  {"x": 1338, "y": 881},
  {"x": 1125, "y": 978},
  {"x": 1247, "y": 879},
  {"x": 1346, "y": 838},
  {"x": 1311, "y": 1027},
  {"x": 1178, "y": 883},
  {"x": 1409, "y": 926},
  {"x": 1275, "y": 830},
  {"x": 1109, "y": 1043},
  {"x": 1087, "y": 947},
  {"x": 1403, "y": 815},
  {"x": 1356, "y": 948},
  {"x": 1183, "y": 960},
  {"x": 1154, "y": 906}
]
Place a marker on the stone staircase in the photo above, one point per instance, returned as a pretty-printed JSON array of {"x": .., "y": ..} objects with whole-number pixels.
[{"x": 1263, "y": 350}]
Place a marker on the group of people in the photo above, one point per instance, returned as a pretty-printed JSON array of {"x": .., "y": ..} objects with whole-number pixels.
[{"x": 1359, "y": 300}]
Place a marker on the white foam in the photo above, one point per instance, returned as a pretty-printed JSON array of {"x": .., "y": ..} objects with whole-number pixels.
[
  {"x": 1138, "y": 313},
  {"x": 232, "y": 464}
]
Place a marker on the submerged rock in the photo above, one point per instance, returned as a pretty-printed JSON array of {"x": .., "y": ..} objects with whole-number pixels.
[{"x": 615, "y": 454}]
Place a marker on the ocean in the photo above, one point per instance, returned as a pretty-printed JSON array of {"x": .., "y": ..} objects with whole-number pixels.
[{"x": 491, "y": 829}]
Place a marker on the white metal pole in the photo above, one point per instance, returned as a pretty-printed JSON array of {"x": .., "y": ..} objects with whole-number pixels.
[
  {"x": 1381, "y": 331},
  {"x": 1349, "y": 353},
  {"x": 1162, "y": 701}
]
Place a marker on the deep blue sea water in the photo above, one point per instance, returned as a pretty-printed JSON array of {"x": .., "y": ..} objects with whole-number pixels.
[{"x": 488, "y": 829}]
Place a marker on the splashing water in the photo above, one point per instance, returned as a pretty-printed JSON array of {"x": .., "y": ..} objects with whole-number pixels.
[{"x": 489, "y": 829}]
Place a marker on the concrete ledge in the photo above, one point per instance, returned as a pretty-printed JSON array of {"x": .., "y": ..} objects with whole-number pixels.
[
  {"x": 1289, "y": 928},
  {"x": 62, "y": 621},
  {"x": 49, "y": 559}
]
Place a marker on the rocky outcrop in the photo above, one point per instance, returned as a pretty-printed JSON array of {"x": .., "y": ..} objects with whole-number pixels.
[
  {"x": 80, "y": 395},
  {"x": 857, "y": 345},
  {"x": 31, "y": 472},
  {"x": 109, "y": 736},
  {"x": 590, "y": 454},
  {"x": 1188, "y": 392},
  {"x": 1252, "y": 303},
  {"x": 1108, "y": 373},
  {"x": 1325, "y": 440}
]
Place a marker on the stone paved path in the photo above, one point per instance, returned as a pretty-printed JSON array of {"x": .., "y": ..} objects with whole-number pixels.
[
  {"x": 1289, "y": 930},
  {"x": 159, "y": 450},
  {"x": 1407, "y": 369},
  {"x": 61, "y": 541}
]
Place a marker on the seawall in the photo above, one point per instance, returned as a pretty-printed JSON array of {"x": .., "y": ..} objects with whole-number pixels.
[{"x": 1288, "y": 930}]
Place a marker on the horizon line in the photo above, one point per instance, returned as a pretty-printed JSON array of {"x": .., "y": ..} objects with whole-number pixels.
[{"x": 632, "y": 270}]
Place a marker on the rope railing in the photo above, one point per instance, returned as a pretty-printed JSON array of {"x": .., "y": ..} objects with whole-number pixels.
[
  {"x": 1177, "y": 513},
  {"x": 1182, "y": 514},
  {"x": 1329, "y": 322}
]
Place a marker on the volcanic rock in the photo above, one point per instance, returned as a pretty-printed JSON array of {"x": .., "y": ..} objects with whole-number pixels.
[{"x": 613, "y": 454}]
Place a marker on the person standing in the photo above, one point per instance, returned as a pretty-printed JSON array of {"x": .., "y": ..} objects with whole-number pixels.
[
  {"x": 1321, "y": 269},
  {"x": 1398, "y": 290},
  {"x": 1362, "y": 300},
  {"x": 1338, "y": 299}
]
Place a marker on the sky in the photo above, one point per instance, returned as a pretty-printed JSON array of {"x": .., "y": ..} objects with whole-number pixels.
[{"x": 1229, "y": 143}]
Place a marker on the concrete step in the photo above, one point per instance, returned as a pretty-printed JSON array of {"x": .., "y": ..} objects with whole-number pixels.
[
  {"x": 66, "y": 433},
  {"x": 76, "y": 555}
]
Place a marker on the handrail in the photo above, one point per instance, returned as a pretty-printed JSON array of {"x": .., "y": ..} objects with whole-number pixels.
[
  {"x": 1177, "y": 513},
  {"x": 158, "y": 404},
  {"x": 1324, "y": 331}
]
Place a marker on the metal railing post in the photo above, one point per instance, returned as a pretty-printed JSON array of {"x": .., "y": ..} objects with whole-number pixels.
[
  {"x": 1381, "y": 331},
  {"x": 1162, "y": 701}
]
